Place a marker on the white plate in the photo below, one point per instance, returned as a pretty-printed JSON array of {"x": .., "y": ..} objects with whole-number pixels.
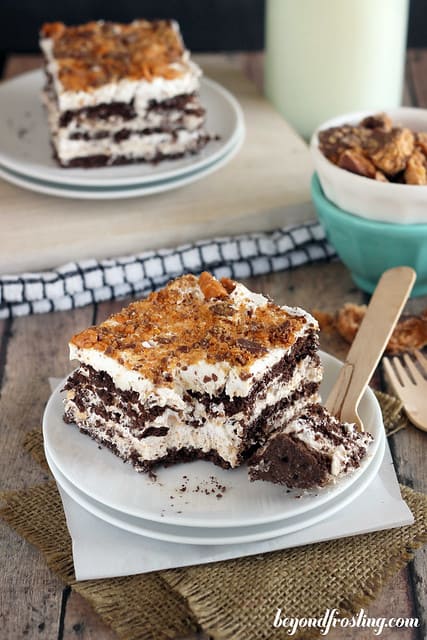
[
  {"x": 25, "y": 138},
  {"x": 111, "y": 193},
  {"x": 223, "y": 536},
  {"x": 103, "y": 477}
]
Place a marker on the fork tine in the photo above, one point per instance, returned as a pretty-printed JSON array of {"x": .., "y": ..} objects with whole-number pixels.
[
  {"x": 395, "y": 382},
  {"x": 401, "y": 373},
  {"x": 413, "y": 369},
  {"x": 421, "y": 359}
]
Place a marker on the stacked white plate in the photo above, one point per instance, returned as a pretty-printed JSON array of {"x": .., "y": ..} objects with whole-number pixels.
[
  {"x": 26, "y": 155},
  {"x": 187, "y": 503}
]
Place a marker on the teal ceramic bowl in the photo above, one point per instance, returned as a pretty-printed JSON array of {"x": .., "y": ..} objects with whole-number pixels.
[{"x": 368, "y": 247}]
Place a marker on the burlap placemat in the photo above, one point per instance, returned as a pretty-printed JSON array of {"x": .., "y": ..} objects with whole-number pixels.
[
  {"x": 231, "y": 600},
  {"x": 137, "y": 607}
]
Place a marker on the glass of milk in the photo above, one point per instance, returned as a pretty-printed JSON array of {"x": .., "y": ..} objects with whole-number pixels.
[{"x": 328, "y": 57}]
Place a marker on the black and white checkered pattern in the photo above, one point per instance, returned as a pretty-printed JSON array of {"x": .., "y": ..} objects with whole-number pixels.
[{"x": 77, "y": 284}]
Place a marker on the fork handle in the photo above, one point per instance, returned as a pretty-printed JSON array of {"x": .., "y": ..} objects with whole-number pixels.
[{"x": 381, "y": 316}]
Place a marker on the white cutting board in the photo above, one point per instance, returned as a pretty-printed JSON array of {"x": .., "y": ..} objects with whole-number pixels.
[{"x": 256, "y": 191}]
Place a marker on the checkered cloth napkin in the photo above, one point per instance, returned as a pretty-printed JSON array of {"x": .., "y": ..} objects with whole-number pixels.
[{"x": 88, "y": 281}]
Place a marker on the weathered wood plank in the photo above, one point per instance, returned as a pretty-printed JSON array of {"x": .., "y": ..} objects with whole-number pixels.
[
  {"x": 324, "y": 285},
  {"x": 5, "y": 328},
  {"x": 416, "y": 77},
  {"x": 82, "y": 622},
  {"x": 409, "y": 446},
  {"x": 409, "y": 453},
  {"x": 407, "y": 100},
  {"x": 105, "y": 309},
  {"x": 30, "y": 594},
  {"x": 17, "y": 64},
  {"x": 395, "y": 600}
]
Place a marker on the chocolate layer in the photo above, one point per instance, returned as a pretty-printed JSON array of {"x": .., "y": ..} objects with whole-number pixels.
[
  {"x": 124, "y": 134},
  {"x": 290, "y": 462},
  {"x": 174, "y": 456},
  {"x": 254, "y": 431},
  {"x": 288, "y": 458},
  {"x": 100, "y": 383},
  {"x": 257, "y": 432},
  {"x": 284, "y": 369},
  {"x": 90, "y": 162},
  {"x": 127, "y": 111},
  {"x": 254, "y": 435},
  {"x": 86, "y": 378}
]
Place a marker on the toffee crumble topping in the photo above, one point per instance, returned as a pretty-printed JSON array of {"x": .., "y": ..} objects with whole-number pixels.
[
  {"x": 96, "y": 53},
  {"x": 188, "y": 321}
]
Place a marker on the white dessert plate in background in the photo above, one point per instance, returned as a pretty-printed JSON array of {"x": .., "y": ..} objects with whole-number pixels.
[
  {"x": 225, "y": 535},
  {"x": 103, "y": 477},
  {"x": 25, "y": 138},
  {"x": 111, "y": 193}
]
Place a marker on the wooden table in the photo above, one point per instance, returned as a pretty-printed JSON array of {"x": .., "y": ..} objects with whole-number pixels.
[{"x": 33, "y": 602}]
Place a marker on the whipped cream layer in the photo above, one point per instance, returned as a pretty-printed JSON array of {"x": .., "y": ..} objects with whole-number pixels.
[
  {"x": 135, "y": 147},
  {"x": 204, "y": 377},
  {"x": 196, "y": 412},
  {"x": 226, "y": 442},
  {"x": 140, "y": 92},
  {"x": 147, "y": 118}
]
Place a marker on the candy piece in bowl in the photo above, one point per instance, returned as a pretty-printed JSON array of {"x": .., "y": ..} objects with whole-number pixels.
[
  {"x": 368, "y": 247},
  {"x": 374, "y": 165}
]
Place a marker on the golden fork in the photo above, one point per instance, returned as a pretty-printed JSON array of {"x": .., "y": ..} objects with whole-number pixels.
[{"x": 410, "y": 384}]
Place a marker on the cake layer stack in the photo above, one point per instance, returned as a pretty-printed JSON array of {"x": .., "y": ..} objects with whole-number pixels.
[
  {"x": 311, "y": 450},
  {"x": 202, "y": 369},
  {"x": 121, "y": 93}
]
